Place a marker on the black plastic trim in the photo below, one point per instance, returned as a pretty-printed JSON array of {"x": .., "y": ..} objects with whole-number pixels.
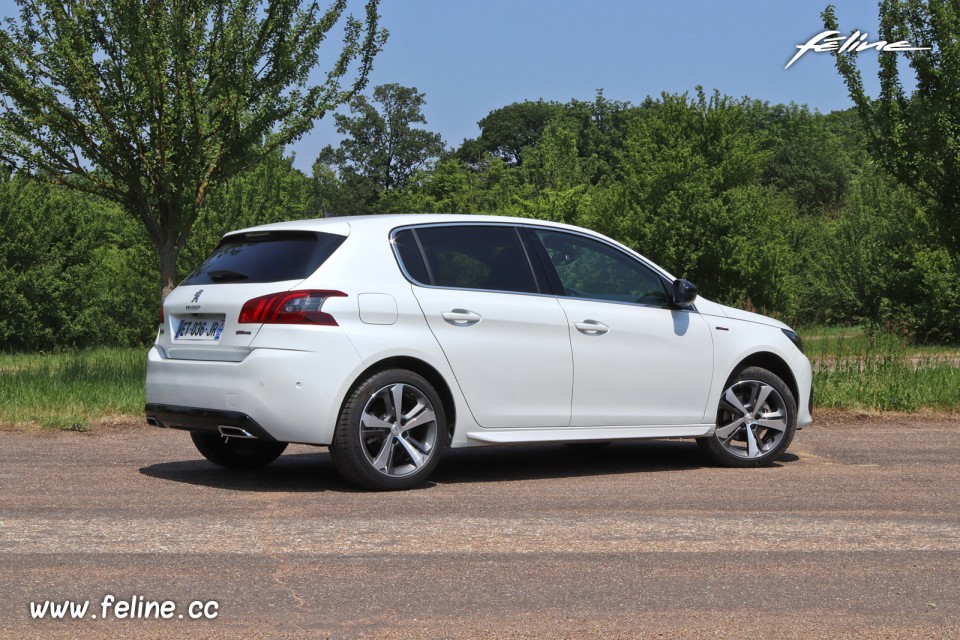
[
  {"x": 543, "y": 261},
  {"x": 202, "y": 420}
]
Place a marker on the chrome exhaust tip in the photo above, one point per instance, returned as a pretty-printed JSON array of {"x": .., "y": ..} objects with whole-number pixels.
[{"x": 234, "y": 432}]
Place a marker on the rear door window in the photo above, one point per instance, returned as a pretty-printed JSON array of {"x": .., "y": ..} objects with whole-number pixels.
[
  {"x": 274, "y": 256},
  {"x": 487, "y": 257}
]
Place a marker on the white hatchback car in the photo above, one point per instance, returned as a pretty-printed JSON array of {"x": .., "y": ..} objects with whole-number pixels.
[{"x": 388, "y": 338}]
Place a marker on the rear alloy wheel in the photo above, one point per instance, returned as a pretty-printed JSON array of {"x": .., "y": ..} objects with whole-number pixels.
[
  {"x": 756, "y": 420},
  {"x": 237, "y": 453},
  {"x": 391, "y": 431}
]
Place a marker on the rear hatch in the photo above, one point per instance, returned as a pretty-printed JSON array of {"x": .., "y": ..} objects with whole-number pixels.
[{"x": 201, "y": 316}]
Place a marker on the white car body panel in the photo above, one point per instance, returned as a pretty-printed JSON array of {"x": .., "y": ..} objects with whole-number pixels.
[
  {"x": 513, "y": 364},
  {"x": 653, "y": 366}
]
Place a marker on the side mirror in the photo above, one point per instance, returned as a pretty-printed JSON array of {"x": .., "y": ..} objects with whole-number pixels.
[{"x": 684, "y": 293}]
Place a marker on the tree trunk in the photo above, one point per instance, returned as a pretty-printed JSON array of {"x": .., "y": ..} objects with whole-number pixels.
[{"x": 169, "y": 253}]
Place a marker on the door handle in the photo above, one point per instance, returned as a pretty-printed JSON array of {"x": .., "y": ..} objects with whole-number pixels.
[
  {"x": 461, "y": 317},
  {"x": 591, "y": 328}
]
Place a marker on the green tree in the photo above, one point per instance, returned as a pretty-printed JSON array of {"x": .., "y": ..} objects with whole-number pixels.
[
  {"x": 381, "y": 149},
  {"x": 807, "y": 159},
  {"x": 508, "y": 131},
  {"x": 916, "y": 137},
  {"x": 553, "y": 162},
  {"x": 151, "y": 104},
  {"x": 602, "y": 127}
]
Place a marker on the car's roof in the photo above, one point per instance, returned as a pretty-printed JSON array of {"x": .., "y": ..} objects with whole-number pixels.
[
  {"x": 382, "y": 223},
  {"x": 341, "y": 224}
]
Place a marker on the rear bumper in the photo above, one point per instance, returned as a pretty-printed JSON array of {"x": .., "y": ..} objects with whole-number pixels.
[
  {"x": 203, "y": 420},
  {"x": 289, "y": 395}
]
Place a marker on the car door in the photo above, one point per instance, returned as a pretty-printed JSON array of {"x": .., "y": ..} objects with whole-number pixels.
[
  {"x": 507, "y": 344},
  {"x": 637, "y": 361}
]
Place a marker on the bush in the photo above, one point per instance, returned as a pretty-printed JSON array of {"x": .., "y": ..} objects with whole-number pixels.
[{"x": 76, "y": 271}]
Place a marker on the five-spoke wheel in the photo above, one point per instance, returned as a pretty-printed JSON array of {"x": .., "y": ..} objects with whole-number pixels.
[
  {"x": 390, "y": 432},
  {"x": 756, "y": 420}
]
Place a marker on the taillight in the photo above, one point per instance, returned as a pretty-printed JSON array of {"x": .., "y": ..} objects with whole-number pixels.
[{"x": 289, "y": 307}]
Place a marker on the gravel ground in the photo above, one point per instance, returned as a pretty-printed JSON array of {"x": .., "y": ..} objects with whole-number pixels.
[{"x": 854, "y": 534}]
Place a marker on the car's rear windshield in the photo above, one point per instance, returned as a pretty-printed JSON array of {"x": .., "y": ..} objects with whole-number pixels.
[{"x": 272, "y": 256}]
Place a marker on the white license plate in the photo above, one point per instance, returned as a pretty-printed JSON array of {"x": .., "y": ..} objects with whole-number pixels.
[{"x": 204, "y": 329}]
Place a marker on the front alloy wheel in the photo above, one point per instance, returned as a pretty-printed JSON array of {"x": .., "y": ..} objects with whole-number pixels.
[
  {"x": 756, "y": 420},
  {"x": 390, "y": 432}
]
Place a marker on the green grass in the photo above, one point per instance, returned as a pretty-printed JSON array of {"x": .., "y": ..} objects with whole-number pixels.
[
  {"x": 71, "y": 390},
  {"x": 853, "y": 369},
  {"x": 887, "y": 383},
  {"x": 850, "y": 341},
  {"x": 857, "y": 369}
]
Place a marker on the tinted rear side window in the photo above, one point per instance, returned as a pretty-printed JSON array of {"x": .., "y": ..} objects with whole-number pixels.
[
  {"x": 266, "y": 257},
  {"x": 477, "y": 257}
]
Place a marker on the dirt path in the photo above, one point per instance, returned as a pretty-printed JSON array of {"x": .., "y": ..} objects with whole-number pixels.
[{"x": 855, "y": 534}]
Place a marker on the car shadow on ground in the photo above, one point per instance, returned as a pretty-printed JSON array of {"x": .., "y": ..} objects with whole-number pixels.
[
  {"x": 534, "y": 462},
  {"x": 290, "y": 473},
  {"x": 315, "y": 472}
]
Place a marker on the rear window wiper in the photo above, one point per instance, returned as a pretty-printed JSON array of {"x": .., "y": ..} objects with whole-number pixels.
[{"x": 224, "y": 275}]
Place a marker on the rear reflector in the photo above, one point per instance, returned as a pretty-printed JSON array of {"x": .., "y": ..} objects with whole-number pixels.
[{"x": 289, "y": 307}]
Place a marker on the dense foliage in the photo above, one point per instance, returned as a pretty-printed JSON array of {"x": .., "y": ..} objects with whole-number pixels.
[
  {"x": 915, "y": 136},
  {"x": 771, "y": 207}
]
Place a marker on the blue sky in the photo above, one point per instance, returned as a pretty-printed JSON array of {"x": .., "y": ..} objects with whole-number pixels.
[{"x": 473, "y": 56}]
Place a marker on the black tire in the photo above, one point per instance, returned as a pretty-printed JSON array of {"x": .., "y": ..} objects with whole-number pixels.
[
  {"x": 367, "y": 448},
  {"x": 237, "y": 453},
  {"x": 771, "y": 425}
]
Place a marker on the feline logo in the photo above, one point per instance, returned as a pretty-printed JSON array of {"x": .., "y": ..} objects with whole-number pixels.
[
  {"x": 857, "y": 42},
  {"x": 196, "y": 296}
]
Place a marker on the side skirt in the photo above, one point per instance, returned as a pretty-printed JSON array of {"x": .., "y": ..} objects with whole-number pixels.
[{"x": 566, "y": 434}]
